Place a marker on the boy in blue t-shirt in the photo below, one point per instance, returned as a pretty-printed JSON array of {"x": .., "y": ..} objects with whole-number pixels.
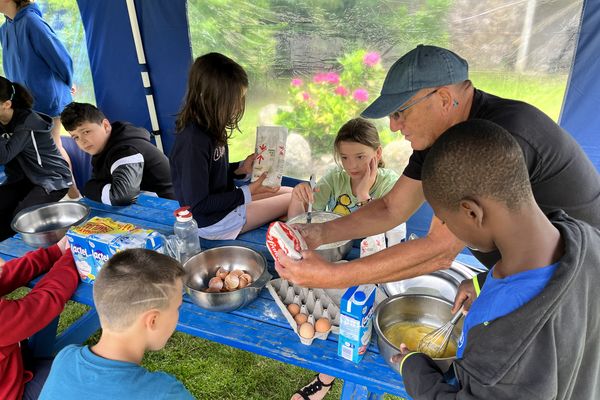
[
  {"x": 532, "y": 331},
  {"x": 137, "y": 295}
]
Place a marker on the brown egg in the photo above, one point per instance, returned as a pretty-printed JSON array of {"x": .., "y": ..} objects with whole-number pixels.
[
  {"x": 300, "y": 318},
  {"x": 222, "y": 273},
  {"x": 246, "y": 276},
  {"x": 306, "y": 330},
  {"x": 293, "y": 308},
  {"x": 212, "y": 290},
  {"x": 237, "y": 272},
  {"x": 232, "y": 282},
  {"x": 244, "y": 281},
  {"x": 322, "y": 325},
  {"x": 215, "y": 283}
]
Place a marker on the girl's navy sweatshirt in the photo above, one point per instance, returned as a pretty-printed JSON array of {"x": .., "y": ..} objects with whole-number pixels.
[{"x": 203, "y": 177}]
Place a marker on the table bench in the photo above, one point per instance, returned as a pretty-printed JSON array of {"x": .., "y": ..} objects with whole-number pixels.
[{"x": 259, "y": 327}]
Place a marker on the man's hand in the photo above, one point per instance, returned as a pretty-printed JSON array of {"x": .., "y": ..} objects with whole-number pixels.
[
  {"x": 464, "y": 296},
  {"x": 312, "y": 234},
  {"x": 311, "y": 271},
  {"x": 245, "y": 167}
]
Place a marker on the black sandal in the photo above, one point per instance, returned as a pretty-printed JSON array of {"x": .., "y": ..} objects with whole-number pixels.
[{"x": 313, "y": 388}]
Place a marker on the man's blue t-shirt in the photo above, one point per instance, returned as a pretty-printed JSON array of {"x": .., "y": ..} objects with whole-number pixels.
[
  {"x": 499, "y": 297},
  {"x": 77, "y": 374}
]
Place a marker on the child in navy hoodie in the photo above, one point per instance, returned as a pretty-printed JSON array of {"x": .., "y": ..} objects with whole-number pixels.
[
  {"x": 203, "y": 178},
  {"x": 36, "y": 173}
]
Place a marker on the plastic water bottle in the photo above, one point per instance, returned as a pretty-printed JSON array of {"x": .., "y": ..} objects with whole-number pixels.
[{"x": 186, "y": 230}]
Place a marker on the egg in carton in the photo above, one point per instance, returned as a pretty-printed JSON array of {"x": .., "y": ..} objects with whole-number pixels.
[{"x": 307, "y": 305}]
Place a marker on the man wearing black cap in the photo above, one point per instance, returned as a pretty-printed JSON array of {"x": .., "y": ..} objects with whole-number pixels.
[{"x": 424, "y": 93}]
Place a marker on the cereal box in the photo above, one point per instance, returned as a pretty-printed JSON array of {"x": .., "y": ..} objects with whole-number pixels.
[{"x": 97, "y": 240}]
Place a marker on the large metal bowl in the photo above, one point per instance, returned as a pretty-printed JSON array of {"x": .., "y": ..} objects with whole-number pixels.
[
  {"x": 424, "y": 309},
  {"x": 443, "y": 283},
  {"x": 203, "y": 266},
  {"x": 333, "y": 251},
  {"x": 45, "y": 224}
]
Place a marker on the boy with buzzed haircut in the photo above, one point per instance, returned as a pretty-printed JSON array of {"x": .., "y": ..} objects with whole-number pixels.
[
  {"x": 137, "y": 295},
  {"x": 532, "y": 332},
  {"x": 124, "y": 161}
]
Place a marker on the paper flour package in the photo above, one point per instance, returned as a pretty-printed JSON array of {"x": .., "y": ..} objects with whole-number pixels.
[
  {"x": 270, "y": 154},
  {"x": 281, "y": 236}
]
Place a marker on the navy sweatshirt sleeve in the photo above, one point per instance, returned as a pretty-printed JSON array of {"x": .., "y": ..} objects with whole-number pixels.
[{"x": 203, "y": 177}]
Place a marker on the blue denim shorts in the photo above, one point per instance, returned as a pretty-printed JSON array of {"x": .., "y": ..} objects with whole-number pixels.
[{"x": 228, "y": 228}]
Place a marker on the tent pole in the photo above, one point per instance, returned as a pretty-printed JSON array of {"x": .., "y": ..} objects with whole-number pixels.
[{"x": 139, "y": 47}]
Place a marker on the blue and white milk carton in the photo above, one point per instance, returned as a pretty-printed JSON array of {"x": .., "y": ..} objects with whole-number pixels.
[{"x": 356, "y": 322}]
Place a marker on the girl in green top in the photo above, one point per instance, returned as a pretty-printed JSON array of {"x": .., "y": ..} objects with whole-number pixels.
[{"x": 360, "y": 178}]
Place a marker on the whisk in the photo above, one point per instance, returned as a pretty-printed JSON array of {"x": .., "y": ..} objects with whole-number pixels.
[{"x": 434, "y": 343}]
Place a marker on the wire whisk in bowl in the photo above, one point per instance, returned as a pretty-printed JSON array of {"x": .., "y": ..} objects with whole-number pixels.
[{"x": 434, "y": 344}]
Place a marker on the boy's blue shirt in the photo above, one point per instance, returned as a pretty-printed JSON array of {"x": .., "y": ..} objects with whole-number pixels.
[
  {"x": 499, "y": 297},
  {"x": 77, "y": 373},
  {"x": 33, "y": 56}
]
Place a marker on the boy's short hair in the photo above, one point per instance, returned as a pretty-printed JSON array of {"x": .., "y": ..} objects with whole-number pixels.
[
  {"x": 476, "y": 158},
  {"x": 76, "y": 114},
  {"x": 132, "y": 282}
]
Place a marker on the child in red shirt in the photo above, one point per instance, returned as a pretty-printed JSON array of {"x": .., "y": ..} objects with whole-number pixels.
[{"x": 24, "y": 317}]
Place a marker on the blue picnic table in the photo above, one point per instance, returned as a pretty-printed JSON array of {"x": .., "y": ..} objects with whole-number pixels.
[{"x": 259, "y": 327}]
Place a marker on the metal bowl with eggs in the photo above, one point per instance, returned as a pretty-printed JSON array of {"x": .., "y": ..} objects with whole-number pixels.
[
  {"x": 407, "y": 318},
  {"x": 333, "y": 251},
  {"x": 45, "y": 224},
  {"x": 225, "y": 278}
]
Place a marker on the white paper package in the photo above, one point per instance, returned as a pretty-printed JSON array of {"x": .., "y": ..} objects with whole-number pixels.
[{"x": 270, "y": 154}]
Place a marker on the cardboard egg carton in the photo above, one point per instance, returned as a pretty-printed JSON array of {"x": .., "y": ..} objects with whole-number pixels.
[{"x": 316, "y": 303}]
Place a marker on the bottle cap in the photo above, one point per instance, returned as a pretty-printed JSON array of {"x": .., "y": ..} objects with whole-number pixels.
[
  {"x": 183, "y": 214},
  {"x": 360, "y": 296}
]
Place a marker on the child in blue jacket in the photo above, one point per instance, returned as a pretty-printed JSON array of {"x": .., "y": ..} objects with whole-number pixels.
[{"x": 33, "y": 56}]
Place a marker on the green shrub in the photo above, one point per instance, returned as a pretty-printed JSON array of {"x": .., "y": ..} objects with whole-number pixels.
[{"x": 317, "y": 109}]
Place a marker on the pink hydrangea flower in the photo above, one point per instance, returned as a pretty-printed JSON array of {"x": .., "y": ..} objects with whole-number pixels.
[
  {"x": 360, "y": 95},
  {"x": 372, "y": 58},
  {"x": 305, "y": 95},
  {"x": 297, "y": 82},
  {"x": 342, "y": 91},
  {"x": 327, "y": 77}
]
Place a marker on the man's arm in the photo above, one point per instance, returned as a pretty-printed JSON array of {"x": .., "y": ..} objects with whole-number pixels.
[
  {"x": 376, "y": 217},
  {"x": 405, "y": 260}
]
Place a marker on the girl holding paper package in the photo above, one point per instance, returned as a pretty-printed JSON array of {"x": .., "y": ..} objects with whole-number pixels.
[
  {"x": 202, "y": 176},
  {"x": 345, "y": 188}
]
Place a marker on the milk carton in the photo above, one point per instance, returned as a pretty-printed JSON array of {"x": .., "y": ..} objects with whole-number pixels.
[{"x": 356, "y": 311}]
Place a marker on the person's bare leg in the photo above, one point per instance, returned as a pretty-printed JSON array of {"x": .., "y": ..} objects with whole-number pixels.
[
  {"x": 260, "y": 212},
  {"x": 56, "y": 128},
  {"x": 282, "y": 190}
]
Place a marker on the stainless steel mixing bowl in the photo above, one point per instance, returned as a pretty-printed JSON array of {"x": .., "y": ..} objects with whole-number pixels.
[
  {"x": 203, "y": 266},
  {"x": 45, "y": 224},
  {"x": 331, "y": 252},
  {"x": 423, "y": 309},
  {"x": 443, "y": 283}
]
